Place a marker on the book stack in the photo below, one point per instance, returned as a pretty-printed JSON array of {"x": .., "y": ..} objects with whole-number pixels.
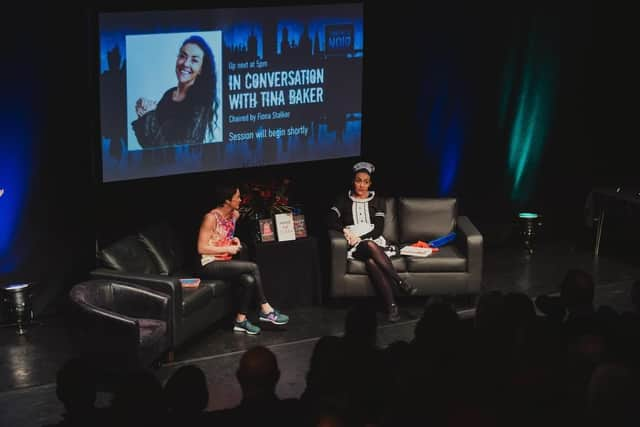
[
  {"x": 416, "y": 251},
  {"x": 190, "y": 283}
]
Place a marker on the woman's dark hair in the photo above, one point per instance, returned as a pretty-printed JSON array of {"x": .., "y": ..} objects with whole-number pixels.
[
  {"x": 204, "y": 90},
  {"x": 224, "y": 192}
]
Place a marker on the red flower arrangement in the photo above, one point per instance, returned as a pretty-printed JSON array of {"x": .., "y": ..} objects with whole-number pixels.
[{"x": 264, "y": 200}]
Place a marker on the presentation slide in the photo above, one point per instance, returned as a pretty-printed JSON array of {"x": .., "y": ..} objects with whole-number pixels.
[{"x": 201, "y": 90}]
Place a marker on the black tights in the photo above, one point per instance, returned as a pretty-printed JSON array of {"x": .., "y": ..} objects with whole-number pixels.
[
  {"x": 245, "y": 273},
  {"x": 381, "y": 271}
]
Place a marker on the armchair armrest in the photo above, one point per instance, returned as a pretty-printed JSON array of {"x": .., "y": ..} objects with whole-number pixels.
[
  {"x": 106, "y": 331},
  {"x": 338, "y": 252},
  {"x": 471, "y": 242},
  {"x": 140, "y": 303},
  {"x": 164, "y": 284}
]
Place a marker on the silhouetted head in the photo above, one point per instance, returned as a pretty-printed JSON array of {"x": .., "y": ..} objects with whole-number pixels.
[
  {"x": 577, "y": 290},
  {"x": 438, "y": 327},
  {"x": 258, "y": 372},
  {"x": 186, "y": 390},
  {"x": 76, "y": 386},
  {"x": 326, "y": 352},
  {"x": 490, "y": 311},
  {"x": 329, "y": 419},
  {"x": 361, "y": 325},
  {"x": 520, "y": 310},
  {"x": 612, "y": 395},
  {"x": 325, "y": 367},
  {"x": 139, "y": 399}
]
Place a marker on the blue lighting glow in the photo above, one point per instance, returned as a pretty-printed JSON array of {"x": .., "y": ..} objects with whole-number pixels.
[
  {"x": 444, "y": 134},
  {"x": 450, "y": 156},
  {"x": 15, "y": 163}
]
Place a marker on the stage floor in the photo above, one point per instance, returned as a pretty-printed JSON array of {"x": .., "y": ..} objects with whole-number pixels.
[{"x": 29, "y": 363}]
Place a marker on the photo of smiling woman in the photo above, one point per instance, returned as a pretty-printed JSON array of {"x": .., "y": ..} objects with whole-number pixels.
[{"x": 188, "y": 112}]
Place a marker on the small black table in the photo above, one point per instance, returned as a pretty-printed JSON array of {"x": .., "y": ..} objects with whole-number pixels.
[{"x": 290, "y": 272}]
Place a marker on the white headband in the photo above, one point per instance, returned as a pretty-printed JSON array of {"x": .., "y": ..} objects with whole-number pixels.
[{"x": 364, "y": 166}]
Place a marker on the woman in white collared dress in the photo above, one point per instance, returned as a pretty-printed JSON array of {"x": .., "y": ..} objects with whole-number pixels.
[{"x": 359, "y": 214}]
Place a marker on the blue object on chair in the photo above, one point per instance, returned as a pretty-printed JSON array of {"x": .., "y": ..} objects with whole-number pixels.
[{"x": 441, "y": 241}]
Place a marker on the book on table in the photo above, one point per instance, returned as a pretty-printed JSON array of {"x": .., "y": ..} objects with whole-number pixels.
[
  {"x": 416, "y": 251},
  {"x": 190, "y": 282}
]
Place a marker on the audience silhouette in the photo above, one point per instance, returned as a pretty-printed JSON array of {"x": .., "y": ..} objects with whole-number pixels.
[
  {"x": 138, "y": 401},
  {"x": 509, "y": 366},
  {"x": 76, "y": 389},
  {"x": 258, "y": 375},
  {"x": 186, "y": 395}
]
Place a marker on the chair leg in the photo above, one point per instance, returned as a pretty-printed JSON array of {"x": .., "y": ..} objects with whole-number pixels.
[
  {"x": 168, "y": 357},
  {"x": 596, "y": 249}
]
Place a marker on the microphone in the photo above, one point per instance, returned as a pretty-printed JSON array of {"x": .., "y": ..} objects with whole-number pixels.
[{"x": 1, "y": 191}]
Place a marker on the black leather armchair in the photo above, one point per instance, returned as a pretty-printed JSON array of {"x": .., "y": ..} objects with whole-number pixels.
[
  {"x": 154, "y": 258},
  {"x": 119, "y": 325},
  {"x": 455, "y": 270}
]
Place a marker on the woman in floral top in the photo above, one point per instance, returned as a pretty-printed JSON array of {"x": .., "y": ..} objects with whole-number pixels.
[{"x": 222, "y": 258}]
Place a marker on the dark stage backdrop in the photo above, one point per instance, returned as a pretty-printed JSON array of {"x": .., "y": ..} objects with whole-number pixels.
[{"x": 442, "y": 92}]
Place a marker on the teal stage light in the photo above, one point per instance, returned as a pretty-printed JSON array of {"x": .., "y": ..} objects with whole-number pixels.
[
  {"x": 526, "y": 110},
  {"x": 527, "y": 215}
]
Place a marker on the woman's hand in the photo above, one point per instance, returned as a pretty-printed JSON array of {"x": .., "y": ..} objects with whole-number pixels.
[
  {"x": 233, "y": 249},
  {"x": 144, "y": 105},
  {"x": 352, "y": 239},
  {"x": 236, "y": 241}
]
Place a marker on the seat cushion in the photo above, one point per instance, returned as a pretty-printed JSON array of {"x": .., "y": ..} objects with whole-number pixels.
[
  {"x": 448, "y": 259},
  {"x": 195, "y": 299},
  {"x": 355, "y": 266},
  {"x": 217, "y": 287},
  {"x": 425, "y": 219},
  {"x": 128, "y": 254}
]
